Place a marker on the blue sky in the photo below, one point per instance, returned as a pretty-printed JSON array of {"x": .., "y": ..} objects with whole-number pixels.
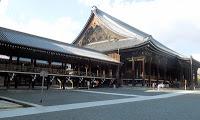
[
  {"x": 46, "y": 9},
  {"x": 175, "y": 23}
]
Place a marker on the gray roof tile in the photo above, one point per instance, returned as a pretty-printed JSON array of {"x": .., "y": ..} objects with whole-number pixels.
[
  {"x": 134, "y": 35},
  {"x": 106, "y": 46},
  {"x": 29, "y": 40}
]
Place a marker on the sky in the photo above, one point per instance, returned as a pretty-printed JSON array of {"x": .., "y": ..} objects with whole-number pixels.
[{"x": 175, "y": 23}]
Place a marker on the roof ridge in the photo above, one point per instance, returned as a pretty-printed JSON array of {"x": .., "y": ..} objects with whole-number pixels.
[
  {"x": 86, "y": 24},
  {"x": 102, "y": 22},
  {"x": 97, "y": 11}
]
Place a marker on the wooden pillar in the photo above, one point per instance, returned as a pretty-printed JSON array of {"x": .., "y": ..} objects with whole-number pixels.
[
  {"x": 195, "y": 73},
  {"x": 78, "y": 69},
  {"x": 29, "y": 82},
  {"x": 165, "y": 70},
  {"x": 48, "y": 82},
  {"x": 32, "y": 84},
  {"x": 133, "y": 71},
  {"x": 4, "y": 82},
  {"x": 18, "y": 68},
  {"x": 63, "y": 83},
  {"x": 104, "y": 73},
  {"x": 150, "y": 72},
  {"x": 182, "y": 75},
  {"x": 62, "y": 68},
  {"x": 50, "y": 66},
  {"x": 10, "y": 62},
  {"x": 97, "y": 70},
  {"x": 17, "y": 60},
  {"x": 10, "y": 59},
  {"x": 143, "y": 71},
  {"x": 90, "y": 70},
  {"x": 188, "y": 76},
  {"x": 157, "y": 70},
  {"x": 100, "y": 71},
  {"x": 33, "y": 81},
  {"x": 110, "y": 72},
  {"x": 191, "y": 73},
  {"x": 86, "y": 70},
  {"x": 16, "y": 79},
  {"x": 119, "y": 82},
  {"x": 7, "y": 82},
  {"x": 34, "y": 62},
  {"x": 185, "y": 75}
]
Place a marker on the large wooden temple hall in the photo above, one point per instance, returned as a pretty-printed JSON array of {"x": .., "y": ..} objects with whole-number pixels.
[
  {"x": 144, "y": 59},
  {"x": 107, "y": 52}
]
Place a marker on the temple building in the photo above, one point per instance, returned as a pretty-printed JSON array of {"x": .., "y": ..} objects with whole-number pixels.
[
  {"x": 107, "y": 52},
  {"x": 143, "y": 59}
]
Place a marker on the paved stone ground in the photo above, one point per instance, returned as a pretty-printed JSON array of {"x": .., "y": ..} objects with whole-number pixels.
[
  {"x": 131, "y": 90},
  {"x": 8, "y": 105},
  {"x": 161, "y": 106},
  {"x": 56, "y": 97}
]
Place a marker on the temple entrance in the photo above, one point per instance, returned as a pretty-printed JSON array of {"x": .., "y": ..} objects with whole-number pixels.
[
  {"x": 134, "y": 70},
  {"x": 138, "y": 70}
]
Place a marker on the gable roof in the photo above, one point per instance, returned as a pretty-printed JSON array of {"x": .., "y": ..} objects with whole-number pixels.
[
  {"x": 113, "y": 24},
  {"x": 134, "y": 36},
  {"x": 118, "y": 26},
  {"x": 20, "y": 38}
]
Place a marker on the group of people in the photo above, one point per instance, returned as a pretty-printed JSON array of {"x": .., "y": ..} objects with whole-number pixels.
[{"x": 160, "y": 85}]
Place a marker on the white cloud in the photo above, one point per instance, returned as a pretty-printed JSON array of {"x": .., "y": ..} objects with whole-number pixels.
[
  {"x": 62, "y": 29},
  {"x": 175, "y": 23},
  {"x": 196, "y": 56},
  {"x": 3, "y": 6}
]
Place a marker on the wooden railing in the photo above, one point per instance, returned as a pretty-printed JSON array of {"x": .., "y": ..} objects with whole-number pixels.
[{"x": 38, "y": 69}]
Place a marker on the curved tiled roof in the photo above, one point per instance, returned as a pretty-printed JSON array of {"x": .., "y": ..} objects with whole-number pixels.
[
  {"x": 106, "y": 46},
  {"x": 118, "y": 26},
  {"x": 19, "y": 38},
  {"x": 134, "y": 36}
]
